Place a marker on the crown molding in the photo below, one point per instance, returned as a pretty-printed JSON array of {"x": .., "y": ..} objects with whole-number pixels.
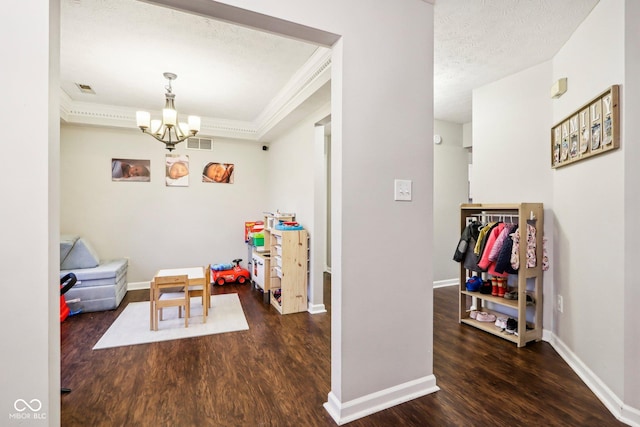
[
  {"x": 313, "y": 75},
  {"x": 86, "y": 113}
]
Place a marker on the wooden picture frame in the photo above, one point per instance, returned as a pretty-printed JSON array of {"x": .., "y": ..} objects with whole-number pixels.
[{"x": 591, "y": 130}]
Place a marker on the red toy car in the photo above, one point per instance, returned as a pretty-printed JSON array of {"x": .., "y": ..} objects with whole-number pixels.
[{"x": 221, "y": 273}]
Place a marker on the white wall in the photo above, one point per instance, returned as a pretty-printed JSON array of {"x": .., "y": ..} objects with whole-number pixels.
[
  {"x": 28, "y": 259},
  {"x": 153, "y": 225},
  {"x": 511, "y": 122},
  {"x": 467, "y": 135},
  {"x": 590, "y": 258},
  {"x": 297, "y": 184},
  {"x": 590, "y": 207},
  {"x": 510, "y": 150},
  {"x": 631, "y": 110},
  {"x": 375, "y": 141},
  {"x": 290, "y": 172},
  {"x": 450, "y": 189}
]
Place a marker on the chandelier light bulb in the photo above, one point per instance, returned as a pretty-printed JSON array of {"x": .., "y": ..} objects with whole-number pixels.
[
  {"x": 156, "y": 126},
  {"x": 143, "y": 119},
  {"x": 194, "y": 123},
  {"x": 168, "y": 130},
  {"x": 169, "y": 117},
  {"x": 183, "y": 128}
]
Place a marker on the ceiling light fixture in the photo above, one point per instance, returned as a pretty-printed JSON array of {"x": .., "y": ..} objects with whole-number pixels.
[{"x": 168, "y": 130}]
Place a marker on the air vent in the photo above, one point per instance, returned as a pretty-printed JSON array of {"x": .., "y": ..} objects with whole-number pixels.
[
  {"x": 200, "y": 144},
  {"x": 85, "y": 88}
]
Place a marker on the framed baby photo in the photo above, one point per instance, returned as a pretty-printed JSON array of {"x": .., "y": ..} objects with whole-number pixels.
[
  {"x": 177, "y": 170},
  {"x": 130, "y": 170},
  {"x": 222, "y": 173}
]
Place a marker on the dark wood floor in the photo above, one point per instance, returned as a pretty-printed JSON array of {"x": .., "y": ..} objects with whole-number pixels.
[{"x": 278, "y": 374}]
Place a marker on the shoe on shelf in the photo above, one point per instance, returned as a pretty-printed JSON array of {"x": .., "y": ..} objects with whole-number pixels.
[
  {"x": 485, "y": 317},
  {"x": 511, "y": 295},
  {"x": 512, "y": 326},
  {"x": 473, "y": 314},
  {"x": 502, "y": 286},
  {"x": 501, "y": 322}
]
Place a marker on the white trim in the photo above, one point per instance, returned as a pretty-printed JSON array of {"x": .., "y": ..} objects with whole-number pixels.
[
  {"x": 311, "y": 77},
  {"x": 65, "y": 105},
  {"x": 547, "y": 336},
  {"x": 313, "y": 74},
  {"x": 343, "y": 413},
  {"x": 134, "y": 286},
  {"x": 316, "y": 308},
  {"x": 618, "y": 409},
  {"x": 447, "y": 282},
  {"x": 86, "y": 113},
  {"x": 630, "y": 415}
]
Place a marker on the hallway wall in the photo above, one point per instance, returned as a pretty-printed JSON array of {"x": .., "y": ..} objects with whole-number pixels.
[
  {"x": 590, "y": 206},
  {"x": 450, "y": 189}
]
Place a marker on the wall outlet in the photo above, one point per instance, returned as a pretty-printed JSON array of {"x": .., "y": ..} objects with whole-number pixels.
[{"x": 560, "y": 304}]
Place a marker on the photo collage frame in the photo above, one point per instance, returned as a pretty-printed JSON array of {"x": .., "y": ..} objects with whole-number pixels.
[{"x": 592, "y": 130}]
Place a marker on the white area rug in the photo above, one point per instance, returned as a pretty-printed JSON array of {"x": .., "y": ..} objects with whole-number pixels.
[{"x": 132, "y": 326}]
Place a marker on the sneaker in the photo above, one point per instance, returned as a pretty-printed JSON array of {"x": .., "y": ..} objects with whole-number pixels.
[
  {"x": 473, "y": 284},
  {"x": 486, "y": 288},
  {"x": 485, "y": 317},
  {"x": 511, "y": 295},
  {"x": 501, "y": 322},
  {"x": 473, "y": 314},
  {"x": 512, "y": 326}
]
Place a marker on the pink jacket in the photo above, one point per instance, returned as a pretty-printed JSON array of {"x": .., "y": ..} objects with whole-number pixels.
[{"x": 485, "y": 263}]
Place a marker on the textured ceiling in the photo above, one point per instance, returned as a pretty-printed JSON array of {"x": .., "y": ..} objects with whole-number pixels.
[
  {"x": 121, "y": 48},
  {"x": 480, "y": 41}
]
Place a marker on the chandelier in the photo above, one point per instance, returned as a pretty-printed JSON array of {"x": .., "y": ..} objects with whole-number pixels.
[{"x": 168, "y": 130}]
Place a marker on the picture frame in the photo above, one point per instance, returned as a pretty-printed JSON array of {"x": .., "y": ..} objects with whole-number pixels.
[
  {"x": 591, "y": 130},
  {"x": 177, "y": 170},
  {"x": 222, "y": 173},
  {"x": 137, "y": 170}
]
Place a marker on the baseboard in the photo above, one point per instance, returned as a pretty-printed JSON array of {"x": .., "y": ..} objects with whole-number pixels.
[
  {"x": 346, "y": 412},
  {"x": 447, "y": 282},
  {"x": 630, "y": 415},
  {"x": 618, "y": 409},
  {"x": 316, "y": 308},
  {"x": 134, "y": 286}
]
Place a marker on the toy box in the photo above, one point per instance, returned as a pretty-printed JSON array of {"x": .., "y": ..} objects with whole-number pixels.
[{"x": 258, "y": 239}]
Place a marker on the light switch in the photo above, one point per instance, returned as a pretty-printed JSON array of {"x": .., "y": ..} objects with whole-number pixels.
[{"x": 402, "y": 189}]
